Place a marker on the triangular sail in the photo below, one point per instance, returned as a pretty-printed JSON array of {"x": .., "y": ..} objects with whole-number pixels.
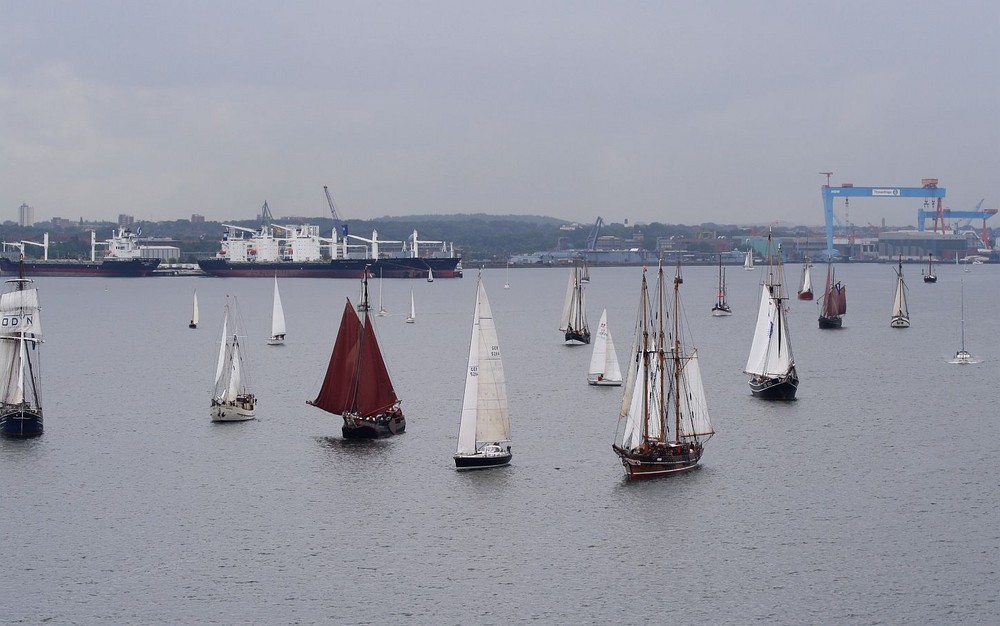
[
  {"x": 806, "y": 284},
  {"x": 375, "y": 393},
  {"x": 336, "y": 394},
  {"x": 770, "y": 352},
  {"x": 194, "y": 309},
  {"x": 277, "y": 313},
  {"x": 222, "y": 346},
  {"x": 695, "y": 421},
  {"x": 604, "y": 359},
  {"x": 566, "y": 319}
]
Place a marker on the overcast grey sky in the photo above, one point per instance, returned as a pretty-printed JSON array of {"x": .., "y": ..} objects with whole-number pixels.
[{"x": 680, "y": 112}]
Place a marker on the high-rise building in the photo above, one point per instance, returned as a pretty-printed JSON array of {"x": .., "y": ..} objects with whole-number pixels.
[
  {"x": 125, "y": 220},
  {"x": 26, "y": 216}
]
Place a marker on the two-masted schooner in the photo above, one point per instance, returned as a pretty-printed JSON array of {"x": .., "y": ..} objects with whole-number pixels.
[
  {"x": 20, "y": 365},
  {"x": 771, "y": 364},
  {"x": 574, "y": 316},
  {"x": 833, "y": 302},
  {"x": 484, "y": 431},
  {"x": 357, "y": 385},
  {"x": 232, "y": 400},
  {"x": 664, "y": 421}
]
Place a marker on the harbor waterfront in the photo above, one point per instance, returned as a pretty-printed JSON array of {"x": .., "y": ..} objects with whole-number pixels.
[{"x": 872, "y": 498}]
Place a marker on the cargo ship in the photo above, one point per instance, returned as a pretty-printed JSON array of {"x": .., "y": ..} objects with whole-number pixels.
[
  {"x": 122, "y": 259},
  {"x": 300, "y": 252}
]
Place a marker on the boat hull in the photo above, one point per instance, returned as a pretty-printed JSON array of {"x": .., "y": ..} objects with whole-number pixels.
[
  {"x": 481, "y": 461},
  {"x": 900, "y": 322},
  {"x": 276, "y": 340},
  {"x": 128, "y": 268},
  {"x": 658, "y": 462},
  {"x": 719, "y": 311},
  {"x": 781, "y": 389},
  {"x": 373, "y": 428},
  {"x": 827, "y": 323},
  {"x": 930, "y": 279},
  {"x": 233, "y": 411},
  {"x": 805, "y": 295},
  {"x": 20, "y": 423},
  {"x": 575, "y": 338},
  {"x": 338, "y": 268},
  {"x": 599, "y": 381}
]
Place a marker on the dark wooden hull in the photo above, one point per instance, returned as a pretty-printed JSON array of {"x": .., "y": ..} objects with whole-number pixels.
[
  {"x": 373, "y": 428},
  {"x": 781, "y": 389},
  {"x": 830, "y": 322},
  {"x": 20, "y": 423},
  {"x": 478, "y": 461},
  {"x": 662, "y": 461}
]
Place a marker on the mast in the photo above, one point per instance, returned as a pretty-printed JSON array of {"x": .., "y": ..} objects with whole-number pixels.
[
  {"x": 677, "y": 361},
  {"x": 645, "y": 360}
]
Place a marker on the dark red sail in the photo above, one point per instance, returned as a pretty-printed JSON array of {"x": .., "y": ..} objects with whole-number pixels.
[
  {"x": 375, "y": 394},
  {"x": 338, "y": 390}
]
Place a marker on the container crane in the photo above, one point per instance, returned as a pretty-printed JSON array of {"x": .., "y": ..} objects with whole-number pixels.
[{"x": 594, "y": 232}]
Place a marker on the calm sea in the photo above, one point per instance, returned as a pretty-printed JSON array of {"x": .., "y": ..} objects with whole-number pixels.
[{"x": 874, "y": 498}]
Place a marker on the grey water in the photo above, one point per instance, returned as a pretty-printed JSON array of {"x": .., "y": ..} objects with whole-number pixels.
[{"x": 871, "y": 499}]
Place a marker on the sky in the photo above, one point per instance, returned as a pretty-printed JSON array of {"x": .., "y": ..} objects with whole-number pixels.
[{"x": 669, "y": 111}]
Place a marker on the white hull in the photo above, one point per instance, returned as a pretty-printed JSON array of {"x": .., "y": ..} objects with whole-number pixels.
[
  {"x": 276, "y": 341},
  {"x": 900, "y": 322},
  {"x": 231, "y": 413},
  {"x": 604, "y": 382}
]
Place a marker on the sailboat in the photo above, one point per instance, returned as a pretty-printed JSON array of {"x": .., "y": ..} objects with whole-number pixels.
[
  {"x": 962, "y": 357},
  {"x": 381, "y": 308},
  {"x": 930, "y": 276},
  {"x": 484, "y": 433},
  {"x": 721, "y": 307},
  {"x": 412, "y": 317},
  {"x": 20, "y": 336},
  {"x": 900, "y": 314},
  {"x": 277, "y": 319},
  {"x": 771, "y": 364},
  {"x": 574, "y": 315},
  {"x": 357, "y": 385},
  {"x": 231, "y": 399},
  {"x": 506, "y": 280},
  {"x": 430, "y": 275},
  {"x": 748, "y": 261},
  {"x": 194, "y": 311},
  {"x": 664, "y": 421},
  {"x": 585, "y": 275},
  {"x": 604, "y": 369},
  {"x": 805, "y": 286},
  {"x": 833, "y": 302}
]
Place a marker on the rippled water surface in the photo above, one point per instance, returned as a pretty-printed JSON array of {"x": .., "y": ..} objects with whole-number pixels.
[{"x": 871, "y": 499}]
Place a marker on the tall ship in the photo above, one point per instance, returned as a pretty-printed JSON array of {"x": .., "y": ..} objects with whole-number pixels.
[
  {"x": 771, "y": 364},
  {"x": 20, "y": 336},
  {"x": 121, "y": 257},
  {"x": 664, "y": 421},
  {"x": 298, "y": 251},
  {"x": 357, "y": 385}
]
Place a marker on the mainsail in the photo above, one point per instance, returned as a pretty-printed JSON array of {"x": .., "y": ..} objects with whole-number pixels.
[
  {"x": 484, "y": 407},
  {"x": 20, "y": 334},
  {"x": 277, "y": 313},
  {"x": 771, "y": 350}
]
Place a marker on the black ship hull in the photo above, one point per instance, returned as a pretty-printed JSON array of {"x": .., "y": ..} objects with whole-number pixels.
[
  {"x": 661, "y": 460},
  {"x": 374, "y": 427},
  {"x": 402, "y": 267},
  {"x": 576, "y": 338},
  {"x": 827, "y": 323},
  {"x": 130, "y": 268},
  {"x": 479, "y": 461},
  {"x": 781, "y": 389},
  {"x": 20, "y": 423}
]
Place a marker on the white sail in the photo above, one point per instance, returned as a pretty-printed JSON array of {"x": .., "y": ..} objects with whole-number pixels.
[
  {"x": 771, "y": 351},
  {"x": 633, "y": 405},
  {"x": 411, "y": 318},
  {"x": 604, "y": 360},
  {"x": 277, "y": 313},
  {"x": 695, "y": 421},
  {"x": 806, "y": 279},
  {"x": 20, "y": 312},
  {"x": 748, "y": 261},
  {"x": 484, "y": 409},
  {"x": 194, "y": 309},
  {"x": 235, "y": 371},
  {"x": 565, "y": 320},
  {"x": 20, "y": 336},
  {"x": 222, "y": 347},
  {"x": 899, "y": 300}
]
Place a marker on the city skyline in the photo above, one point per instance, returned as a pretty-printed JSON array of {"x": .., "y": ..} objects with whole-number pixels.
[{"x": 647, "y": 112}]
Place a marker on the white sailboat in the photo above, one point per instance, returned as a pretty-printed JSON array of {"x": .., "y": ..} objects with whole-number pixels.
[
  {"x": 20, "y": 367},
  {"x": 381, "y": 308},
  {"x": 574, "y": 316},
  {"x": 484, "y": 433},
  {"x": 604, "y": 368},
  {"x": 277, "y": 319},
  {"x": 430, "y": 275},
  {"x": 412, "y": 317},
  {"x": 506, "y": 280},
  {"x": 748, "y": 261},
  {"x": 963, "y": 357},
  {"x": 771, "y": 364},
  {"x": 194, "y": 311},
  {"x": 231, "y": 399},
  {"x": 900, "y": 313}
]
